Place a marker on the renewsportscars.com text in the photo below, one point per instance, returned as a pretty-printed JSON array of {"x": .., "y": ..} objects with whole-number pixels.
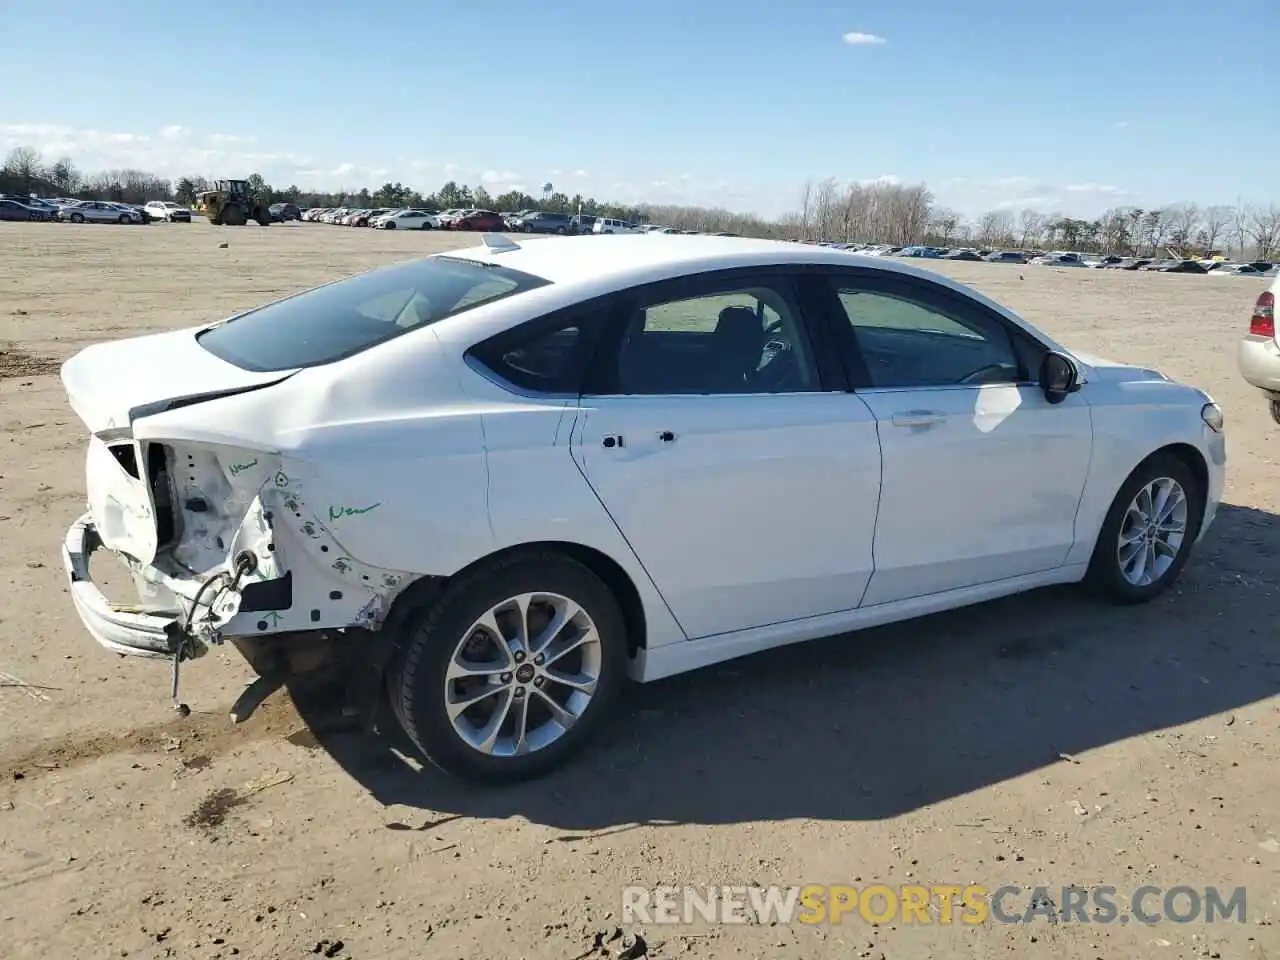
[{"x": 971, "y": 904}]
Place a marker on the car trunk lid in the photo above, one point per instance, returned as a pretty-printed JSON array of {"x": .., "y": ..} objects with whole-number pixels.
[{"x": 110, "y": 385}]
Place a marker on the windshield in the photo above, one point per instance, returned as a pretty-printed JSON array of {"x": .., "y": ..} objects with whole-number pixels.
[{"x": 344, "y": 318}]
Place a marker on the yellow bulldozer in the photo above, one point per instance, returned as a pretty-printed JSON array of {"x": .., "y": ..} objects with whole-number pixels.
[{"x": 230, "y": 202}]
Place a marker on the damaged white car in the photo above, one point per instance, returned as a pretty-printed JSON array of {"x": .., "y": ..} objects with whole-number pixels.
[{"x": 498, "y": 481}]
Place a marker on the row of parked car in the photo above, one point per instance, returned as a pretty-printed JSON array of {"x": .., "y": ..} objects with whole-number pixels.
[
  {"x": 1059, "y": 258},
  {"x": 70, "y": 210},
  {"x": 462, "y": 218}
]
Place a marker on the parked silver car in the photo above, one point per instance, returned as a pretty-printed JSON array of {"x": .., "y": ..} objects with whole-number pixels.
[{"x": 98, "y": 211}]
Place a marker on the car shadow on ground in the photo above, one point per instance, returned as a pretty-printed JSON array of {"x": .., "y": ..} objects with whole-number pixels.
[{"x": 875, "y": 724}]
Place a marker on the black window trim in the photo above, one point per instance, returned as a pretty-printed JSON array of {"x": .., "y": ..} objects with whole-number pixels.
[
  {"x": 928, "y": 293},
  {"x": 599, "y": 309},
  {"x": 786, "y": 277}
]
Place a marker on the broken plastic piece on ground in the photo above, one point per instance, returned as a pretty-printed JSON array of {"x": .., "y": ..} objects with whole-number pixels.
[{"x": 253, "y": 696}]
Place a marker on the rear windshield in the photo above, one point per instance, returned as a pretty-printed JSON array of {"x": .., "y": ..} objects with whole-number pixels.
[{"x": 344, "y": 318}]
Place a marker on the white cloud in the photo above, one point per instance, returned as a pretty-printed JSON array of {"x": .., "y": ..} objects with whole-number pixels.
[
  {"x": 173, "y": 132},
  {"x": 229, "y": 138},
  {"x": 884, "y": 180},
  {"x": 581, "y": 174},
  {"x": 857, "y": 39},
  {"x": 1101, "y": 189},
  {"x": 976, "y": 196}
]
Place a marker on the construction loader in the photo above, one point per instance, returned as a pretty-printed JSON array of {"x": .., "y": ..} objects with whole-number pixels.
[{"x": 230, "y": 203}]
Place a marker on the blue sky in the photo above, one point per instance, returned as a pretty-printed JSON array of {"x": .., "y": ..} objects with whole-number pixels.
[{"x": 1068, "y": 107}]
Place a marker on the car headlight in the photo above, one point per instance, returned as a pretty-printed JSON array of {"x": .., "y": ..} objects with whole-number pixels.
[{"x": 1211, "y": 414}]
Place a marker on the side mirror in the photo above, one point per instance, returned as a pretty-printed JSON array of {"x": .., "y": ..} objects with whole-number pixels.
[{"x": 1058, "y": 377}]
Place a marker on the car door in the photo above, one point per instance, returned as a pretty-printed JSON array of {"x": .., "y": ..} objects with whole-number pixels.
[
  {"x": 743, "y": 477},
  {"x": 982, "y": 475}
]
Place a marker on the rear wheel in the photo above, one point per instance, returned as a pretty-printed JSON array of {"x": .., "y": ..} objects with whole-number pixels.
[
  {"x": 512, "y": 669},
  {"x": 123, "y": 218},
  {"x": 1147, "y": 535},
  {"x": 1275, "y": 409},
  {"x": 233, "y": 216},
  {"x": 263, "y": 216},
  {"x": 77, "y": 218}
]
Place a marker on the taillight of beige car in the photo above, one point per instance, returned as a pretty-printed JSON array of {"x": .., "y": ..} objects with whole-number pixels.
[{"x": 1260, "y": 351}]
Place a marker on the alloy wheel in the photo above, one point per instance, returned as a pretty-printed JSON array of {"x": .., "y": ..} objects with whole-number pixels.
[
  {"x": 523, "y": 674},
  {"x": 1152, "y": 532}
]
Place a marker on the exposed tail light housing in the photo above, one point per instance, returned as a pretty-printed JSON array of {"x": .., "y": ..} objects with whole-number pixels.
[{"x": 1263, "y": 321}]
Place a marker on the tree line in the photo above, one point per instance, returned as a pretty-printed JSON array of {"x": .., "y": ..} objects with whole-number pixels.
[
  {"x": 875, "y": 212},
  {"x": 905, "y": 214}
]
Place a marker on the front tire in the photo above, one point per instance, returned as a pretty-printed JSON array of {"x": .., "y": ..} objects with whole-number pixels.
[
  {"x": 1275, "y": 409},
  {"x": 1147, "y": 535},
  {"x": 512, "y": 669},
  {"x": 389, "y": 225}
]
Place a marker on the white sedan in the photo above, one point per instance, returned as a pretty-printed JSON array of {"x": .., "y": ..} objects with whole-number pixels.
[
  {"x": 169, "y": 211},
  {"x": 502, "y": 479},
  {"x": 406, "y": 220}
]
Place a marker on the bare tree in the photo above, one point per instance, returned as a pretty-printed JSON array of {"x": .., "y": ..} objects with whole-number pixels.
[
  {"x": 23, "y": 165},
  {"x": 943, "y": 225},
  {"x": 1240, "y": 228},
  {"x": 1030, "y": 228},
  {"x": 1264, "y": 230},
  {"x": 1214, "y": 224},
  {"x": 1183, "y": 222},
  {"x": 827, "y": 209},
  {"x": 995, "y": 227},
  {"x": 806, "y": 208}
]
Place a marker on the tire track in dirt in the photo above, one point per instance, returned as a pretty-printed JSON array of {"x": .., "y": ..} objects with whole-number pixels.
[
  {"x": 200, "y": 735},
  {"x": 15, "y": 362}
]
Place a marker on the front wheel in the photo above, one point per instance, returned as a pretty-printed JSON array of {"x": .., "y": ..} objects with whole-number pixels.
[
  {"x": 1147, "y": 535},
  {"x": 512, "y": 669},
  {"x": 389, "y": 225},
  {"x": 77, "y": 218},
  {"x": 1275, "y": 409}
]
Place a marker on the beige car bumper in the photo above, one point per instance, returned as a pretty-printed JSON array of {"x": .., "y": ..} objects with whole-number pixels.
[{"x": 1260, "y": 363}]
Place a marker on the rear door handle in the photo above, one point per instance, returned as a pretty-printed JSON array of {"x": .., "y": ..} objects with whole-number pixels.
[{"x": 918, "y": 418}]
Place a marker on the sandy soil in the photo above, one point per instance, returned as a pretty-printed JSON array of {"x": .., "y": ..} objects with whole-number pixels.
[{"x": 931, "y": 752}]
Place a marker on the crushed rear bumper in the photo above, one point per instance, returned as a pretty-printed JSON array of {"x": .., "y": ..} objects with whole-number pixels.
[{"x": 118, "y": 627}]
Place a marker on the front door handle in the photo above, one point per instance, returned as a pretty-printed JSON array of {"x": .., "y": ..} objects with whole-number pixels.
[{"x": 918, "y": 418}]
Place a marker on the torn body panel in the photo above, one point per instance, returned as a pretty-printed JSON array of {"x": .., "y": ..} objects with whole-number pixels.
[{"x": 221, "y": 542}]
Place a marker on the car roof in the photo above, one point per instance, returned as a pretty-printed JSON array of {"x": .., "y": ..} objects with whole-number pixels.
[
  {"x": 581, "y": 268},
  {"x": 629, "y": 259}
]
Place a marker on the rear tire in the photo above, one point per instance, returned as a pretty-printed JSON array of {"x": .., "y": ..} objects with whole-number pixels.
[
  {"x": 1275, "y": 409},
  {"x": 589, "y": 648},
  {"x": 233, "y": 216},
  {"x": 77, "y": 218},
  {"x": 1148, "y": 533},
  {"x": 123, "y": 219}
]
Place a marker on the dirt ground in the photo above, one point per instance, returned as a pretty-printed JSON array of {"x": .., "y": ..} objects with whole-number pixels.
[{"x": 1042, "y": 740}]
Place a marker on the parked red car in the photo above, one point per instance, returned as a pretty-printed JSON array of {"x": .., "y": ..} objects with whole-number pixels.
[{"x": 479, "y": 220}]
